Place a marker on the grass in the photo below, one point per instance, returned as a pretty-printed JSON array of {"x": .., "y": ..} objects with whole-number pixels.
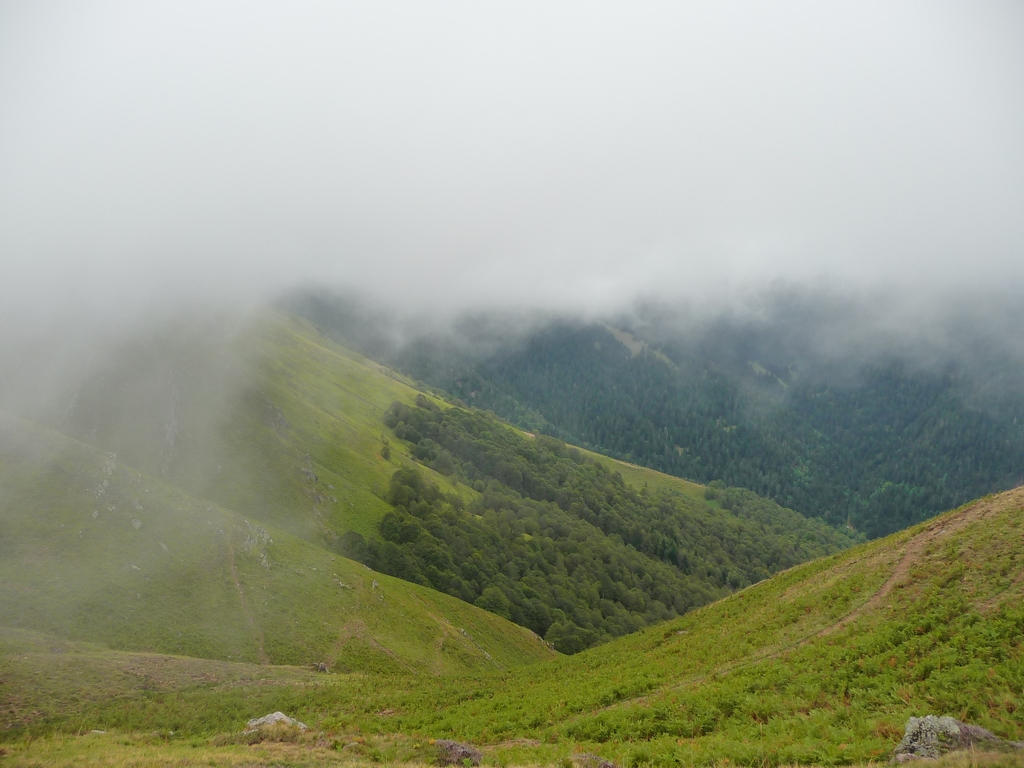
[
  {"x": 145, "y": 566},
  {"x": 118, "y": 751},
  {"x": 184, "y": 585},
  {"x": 185, "y": 504},
  {"x": 821, "y": 665},
  {"x": 110, "y": 750},
  {"x": 268, "y": 419},
  {"x": 641, "y": 477}
]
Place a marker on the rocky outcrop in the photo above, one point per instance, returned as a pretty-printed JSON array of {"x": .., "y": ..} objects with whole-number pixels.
[
  {"x": 454, "y": 753},
  {"x": 587, "y": 760},
  {"x": 273, "y": 718},
  {"x": 930, "y": 737}
]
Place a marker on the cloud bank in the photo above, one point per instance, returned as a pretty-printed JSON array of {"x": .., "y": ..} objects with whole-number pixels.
[{"x": 462, "y": 155}]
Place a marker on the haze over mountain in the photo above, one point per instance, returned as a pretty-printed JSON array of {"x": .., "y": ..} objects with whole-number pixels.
[
  {"x": 530, "y": 374},
  {"x": 826, "y": 405},
  {"x": 459, "y": 156},
  {"x": 835, "y": 184}
]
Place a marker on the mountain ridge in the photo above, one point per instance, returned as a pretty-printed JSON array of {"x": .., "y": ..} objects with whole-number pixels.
[{"x": 129, "y": 563}]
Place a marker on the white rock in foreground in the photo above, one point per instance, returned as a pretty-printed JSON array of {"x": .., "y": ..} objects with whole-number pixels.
[{"x": 274, "y": 717}]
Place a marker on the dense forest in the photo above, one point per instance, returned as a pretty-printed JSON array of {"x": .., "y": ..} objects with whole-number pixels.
[
  {"x": 878, "y": 450},
  {"x": 876, "y": 441},
  {"x": 557, "y": 543}
]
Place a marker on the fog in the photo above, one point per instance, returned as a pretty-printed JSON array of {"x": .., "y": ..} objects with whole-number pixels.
[
  {"x": 772, "y": 181},
  {"x": 457, "y": 156}
]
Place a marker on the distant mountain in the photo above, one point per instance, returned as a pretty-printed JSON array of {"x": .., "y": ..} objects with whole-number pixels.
[{"x": 876, "y": 439}]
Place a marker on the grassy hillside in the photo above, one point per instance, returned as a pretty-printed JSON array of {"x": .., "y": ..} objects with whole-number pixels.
[
  {"x": 95, "y": 550},
  {"x": 166, "y": 555},
  {"x": 267, "y": 419},
  {"x": 821, "y": 664},
  {"x": 562, "y": 545},
  {"x": 876, "y": 435},
  {"x": 644, "y": 477}
]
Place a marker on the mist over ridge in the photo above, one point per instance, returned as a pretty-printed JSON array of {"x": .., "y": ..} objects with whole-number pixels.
[
  {"x": 788, "y": 320},
  {"x": 795, "y": 194},
  {"x": 368, "y": 361},
  {"x": 452, "y": 158}
]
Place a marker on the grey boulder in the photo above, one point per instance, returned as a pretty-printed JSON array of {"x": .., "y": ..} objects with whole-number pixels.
[
  {"x": 930, "y": 737},
  {"x": 454, "y": 753},
  {"x": 272, "y": 719}
]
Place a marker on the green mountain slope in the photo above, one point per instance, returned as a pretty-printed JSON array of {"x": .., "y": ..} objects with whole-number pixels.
[
  {"x": 821, "y": 664},
  {"x": 265, "y": 418},
  {"x": 562, "y": 545},
  {"x": 92, "y": 549},
  {"x": 269, "y": 420},
  {"x": 878, "y": 433}
]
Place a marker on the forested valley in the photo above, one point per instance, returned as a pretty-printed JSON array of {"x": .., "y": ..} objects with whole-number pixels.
[
  {"x": 556, "y": 542},
  {"x": 876, "y": 443}
]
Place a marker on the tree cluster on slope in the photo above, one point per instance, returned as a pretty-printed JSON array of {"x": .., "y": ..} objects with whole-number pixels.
[
  {"x": 557, "y": 543},
  {"x": 880, "y": 449}
]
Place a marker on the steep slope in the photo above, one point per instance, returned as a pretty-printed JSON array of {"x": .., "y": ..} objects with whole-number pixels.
[
  {"x": 819, "y": 665},
  {"x": 267, "y": 419},
  {"x": 559, "y": 543},
  {"x": 91, "y": 549},
  {"x": 261, "y": 416}
]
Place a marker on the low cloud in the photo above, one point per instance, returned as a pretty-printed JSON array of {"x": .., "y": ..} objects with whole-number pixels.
[{"x": 461, "y": 156}]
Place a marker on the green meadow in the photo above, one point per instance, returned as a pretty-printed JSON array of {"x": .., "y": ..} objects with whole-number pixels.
[
  {"x": 170, "y": 568},
  {"x": 819, "y": 665}
]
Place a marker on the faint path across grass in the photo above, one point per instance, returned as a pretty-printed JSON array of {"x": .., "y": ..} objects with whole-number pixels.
[
  {"x": 942, "y": 526},
  {"x": 257, "y": 631}
]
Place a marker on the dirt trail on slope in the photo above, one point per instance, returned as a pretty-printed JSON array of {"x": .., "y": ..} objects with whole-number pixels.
[
  {"x": 356, "y": 628},
  {"x": 943, "y": 526},
  {"x": 264, "y": 659}
]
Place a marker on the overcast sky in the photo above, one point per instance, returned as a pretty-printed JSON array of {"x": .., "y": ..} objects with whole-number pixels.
[{"x": 458, "y": 153}]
